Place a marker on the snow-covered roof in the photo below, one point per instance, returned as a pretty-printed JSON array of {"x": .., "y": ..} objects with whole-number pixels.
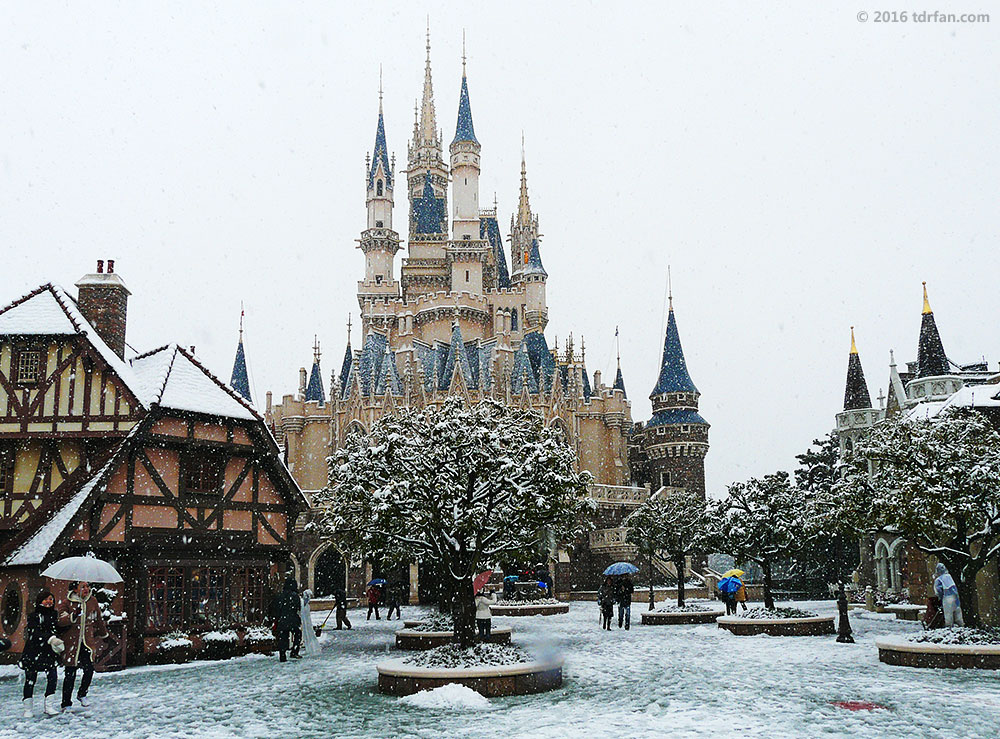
[
  {"x": 50, "y": 311},
  {"x": 34, "y": 550},
  {"x": 970, "y": 396},
  {"x": 172, "y": 378}
]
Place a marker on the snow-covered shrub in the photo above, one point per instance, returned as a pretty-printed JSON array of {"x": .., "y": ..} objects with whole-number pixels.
[
  {"x": 775, "y": 613},
  {"x": 174, "y": 640},
  {"x": 686, "y": 608},
  {"x": 259, "y": 635},
  {"x": 963, "y": 635},
  {"x": 438, "y": 622},
  {"x": 454, "y": 656},
  {"x": 523, "y": 602},
  {"x": 220, "y": 644},
  {"x": 220, "y": 637}
]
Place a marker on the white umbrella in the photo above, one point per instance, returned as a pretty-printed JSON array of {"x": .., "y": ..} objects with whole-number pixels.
[{"x": 89, "y": 569}]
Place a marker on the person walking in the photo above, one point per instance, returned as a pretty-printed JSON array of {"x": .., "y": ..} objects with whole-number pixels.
[
  {"x": 392, "y": 598},
  {"x": 740, "y": 596},
  {"x": 310, "y": 644},
  {"x": 340, "y": 602},
  {"x": 729, "y": 598},
  {"x": 374, "y": 596},
  {"x": 625, "y": 590},
  {"x": 484, "y": 616},
  {"x": 947, "y": 591},
  {"x": 84, "y": 627},
  {"x": 41, "y": 653},
  {"x": 606, "y": 602},
  {"x": 286, "y": 617}
]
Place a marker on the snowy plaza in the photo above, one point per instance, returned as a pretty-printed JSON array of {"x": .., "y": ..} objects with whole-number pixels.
[{"x": 649, "y": 681}]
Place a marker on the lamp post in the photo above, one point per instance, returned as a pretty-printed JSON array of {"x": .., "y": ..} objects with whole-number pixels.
[{"x": 844, "y": 623}]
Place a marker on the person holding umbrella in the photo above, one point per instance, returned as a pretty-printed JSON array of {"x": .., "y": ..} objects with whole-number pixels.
[
  {"x": 41, "y": 653},
  {"x": 484, "y": 615},
  {"x": 606, "y": 602},
  {"x": 740, "y": 594},
  {"x": 286, "y": 618},
  {"x": 84, "y": 626},
  {"x": 728, "y": 586}
]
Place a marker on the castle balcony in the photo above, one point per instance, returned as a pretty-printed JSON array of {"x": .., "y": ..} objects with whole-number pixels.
[
  {"x": 613, "y": 542},
  {"x": 862, "y": 418},
  {"x": 617, "y": 495}
]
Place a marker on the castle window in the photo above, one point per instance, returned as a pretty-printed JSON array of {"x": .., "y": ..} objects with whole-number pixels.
[
  {"x": 202, "y": 471},
  {"x": 513, "y": 319},
  {"x": 466, "y": 275},
  {"x": 685, "y": 429},
  {"x": 378, "y": 187},
  {"x": 379, "y": 224},
  {"x": 378, "y": 279},
  {"x": 29, "y": 366},
  {"x": 664, "y": 479},
  {"x": 6, "y": 468}
]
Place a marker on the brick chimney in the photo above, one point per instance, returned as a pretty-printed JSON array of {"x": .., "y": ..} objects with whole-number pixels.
[{"x": 103, "y": 300}]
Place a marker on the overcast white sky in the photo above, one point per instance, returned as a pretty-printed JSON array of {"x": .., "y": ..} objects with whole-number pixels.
[{"x": 801, "y": 172}]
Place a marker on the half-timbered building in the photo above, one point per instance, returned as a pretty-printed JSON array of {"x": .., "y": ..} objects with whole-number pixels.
[{"x": 153, "y": 464}]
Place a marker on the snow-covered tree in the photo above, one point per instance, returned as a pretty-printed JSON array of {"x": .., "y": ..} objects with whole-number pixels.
[
  {"x": 673, "y": 525},
  {"x": 760, "y": 521},
  {"x": 935, "y": 481},
  {"x": 459, "y": 487}
]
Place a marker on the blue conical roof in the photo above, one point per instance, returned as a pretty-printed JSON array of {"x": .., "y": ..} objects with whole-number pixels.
[
  {"x": 464, "y": 130},
  {"x": 240, "y": 382},
  {"x": 674, "y": 377},
  {"x": 620, "y": 382},
  {"x": 428, "y": 211},
  {"x": 489, "y": 229},
  {"x": 534, "y": 265},
  {"x": 381, "y": 154},
  {"x": 345, "y": 371},
  {"x": 314, "y": 390}
]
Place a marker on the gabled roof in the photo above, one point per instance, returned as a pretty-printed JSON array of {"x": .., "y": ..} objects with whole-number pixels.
[
  {"x": 523, "y": 376},
  {"x": 388, "y": 377},
  {"x": 457, "y": 355},
  {"x": 429, "y": 211},
  {"x": 49, "y": 310},
  {"x": 543, "y": 365},
  {"x": 464, "y": 130},
  {"x": 674, "y": 377},
  {"x": 172, "y": 378}
]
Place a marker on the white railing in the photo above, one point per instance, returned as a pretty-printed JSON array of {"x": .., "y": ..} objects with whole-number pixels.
[
  {"x": 618, "y": 495},
  {"x": 603, "y": 539}
]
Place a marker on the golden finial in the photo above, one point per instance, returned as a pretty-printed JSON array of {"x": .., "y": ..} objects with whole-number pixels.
[
  {"x": 927, "y": 304},
  {"x": 854, "y": 347}
]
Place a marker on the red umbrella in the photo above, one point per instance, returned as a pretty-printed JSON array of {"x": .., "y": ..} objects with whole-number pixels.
[{"x": 480, "y": 580}]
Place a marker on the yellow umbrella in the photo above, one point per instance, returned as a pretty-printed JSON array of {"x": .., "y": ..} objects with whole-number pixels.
[{"x": 734, "y": 573}]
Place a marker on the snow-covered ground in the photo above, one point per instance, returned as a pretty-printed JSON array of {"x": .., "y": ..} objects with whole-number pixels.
[{"x": 650, "y": 681}]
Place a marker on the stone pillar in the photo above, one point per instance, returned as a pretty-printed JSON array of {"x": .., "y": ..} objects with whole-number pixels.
[{"x": 414, "y": 583}]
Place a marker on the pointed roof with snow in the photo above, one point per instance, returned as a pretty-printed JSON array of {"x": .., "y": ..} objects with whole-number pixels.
[
  {"x": 856, "y": 393},
  {"x": 240, "y": 380},
  {"x": 380, "y": 156},
  {"x": 464, "y": 130},
  {"x": 931, "y": 359},
  {"x": 674, "y": 377}
]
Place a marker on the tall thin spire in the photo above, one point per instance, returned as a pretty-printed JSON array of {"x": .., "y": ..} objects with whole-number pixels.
[
  {"x": 428, "y": 119},
  {"x": 523, "y": 206},
  {"x": 854, "y": 346},
  {"x": 240, "y": 380},
  {"x": 380, "y": 157},
  {"x": 619, "y": 379},
  {"x": 464, "y": 130},
  {"x": 314, "y": 390},
  {"x": 674, "y": 377}
]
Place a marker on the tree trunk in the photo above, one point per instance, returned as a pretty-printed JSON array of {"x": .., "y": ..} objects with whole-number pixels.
[
  {"x": 768, "y": 597},
  {"x": 968, "y": 595},
  {"x": 652, "y": 599},
  {"x": 464, "y": 613},
  {"x": 444, "y": 589},
  {"x": 679, "y": 567}
]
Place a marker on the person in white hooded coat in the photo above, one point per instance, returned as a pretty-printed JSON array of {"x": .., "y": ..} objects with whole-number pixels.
[
  {"x": 484, "y": 615},
  {"x": 310, "y": 644},
  {"x": 947, "y": 591}
]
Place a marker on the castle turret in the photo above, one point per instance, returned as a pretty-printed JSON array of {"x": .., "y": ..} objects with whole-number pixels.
[
  {"x": 934, "y": 380},
  {"x": 425, "y": 161},
  {"x": 676, "y": 437},
  {"x": 314, "y": 389},
  {"x": 858, "y": 415},
  {"x": 526, "y": 258},
  {"x": 465, "y": 150},
  {"x": 379, "y": 241}
]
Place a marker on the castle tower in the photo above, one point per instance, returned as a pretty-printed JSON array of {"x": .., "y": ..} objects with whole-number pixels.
[
  {"x": 934, "y": 380},
  {"x": 425, "y": 161},
  {"x": 314, "y": 390},
  {"x": 676, "y": 437},
  {"x": 526, "y": 259},
  {"x": 858, "y": 415},
  {"x": 379, "y": 241}
]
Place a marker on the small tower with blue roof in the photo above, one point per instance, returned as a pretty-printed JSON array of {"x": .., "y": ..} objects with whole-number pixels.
[
  {"x": 240, "y": 381},
  {"x": 465, "y": 168},
  {"x": 526, "y": 257},
  {"x": 675, "y": 440}
]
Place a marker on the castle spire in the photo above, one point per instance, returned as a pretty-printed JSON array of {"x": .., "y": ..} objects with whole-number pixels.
[
  {"x": 856, "y": 392},
  {"x": 674, "y": 377},
  {"x": 314, "y": 390},
  {"x": 380, "y": 157},
  {"x": 523, "y": 206},
  {"x": 619, "y": 380},
  {"x": 240, "y": 381},
  {"x": 464, "y": 130},
  {"x": 931, "y": 359},
  {"x": 428, "y": 119}
]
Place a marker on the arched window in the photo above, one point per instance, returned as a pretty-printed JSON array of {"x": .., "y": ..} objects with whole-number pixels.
[
  {"x": 513, "y": 320},
  {"x": 378, "y": 187}
]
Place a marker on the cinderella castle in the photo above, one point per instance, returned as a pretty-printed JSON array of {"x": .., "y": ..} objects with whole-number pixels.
[{"x": 457, "y": 320}]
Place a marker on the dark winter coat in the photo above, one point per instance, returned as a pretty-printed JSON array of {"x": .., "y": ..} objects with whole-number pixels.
[
  {"x": 85, "y": 628},
  {"x": 340, "y": 598},
  {"x": 623, "y": 591},
  {"x": 606, "y": 597},
  {"x": 286, "y": 607},
  {"x": 374, "y": 595},
  {"x": 38, "y": 655}
]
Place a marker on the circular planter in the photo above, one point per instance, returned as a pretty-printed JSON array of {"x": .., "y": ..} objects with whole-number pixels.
[
  {"x": 667, "y": 618},
  {"x": 395, "y": 677},
  {"x": 901, "y": 651},
  {"x": 812, "y": 626},
  {"x": 417, "y": 640},
  {"x": 544, "y": 609}
]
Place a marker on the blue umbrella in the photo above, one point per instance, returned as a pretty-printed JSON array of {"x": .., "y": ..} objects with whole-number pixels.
[
  {"x": 377, "y": 581},
  {"x": 511, "y": 577},
  {"x": 621, "y": 568},
  {"x": 730, "y": 584}
]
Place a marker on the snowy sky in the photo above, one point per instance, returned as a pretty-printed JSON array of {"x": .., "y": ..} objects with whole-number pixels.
[{"x": 800, "y": 171}]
